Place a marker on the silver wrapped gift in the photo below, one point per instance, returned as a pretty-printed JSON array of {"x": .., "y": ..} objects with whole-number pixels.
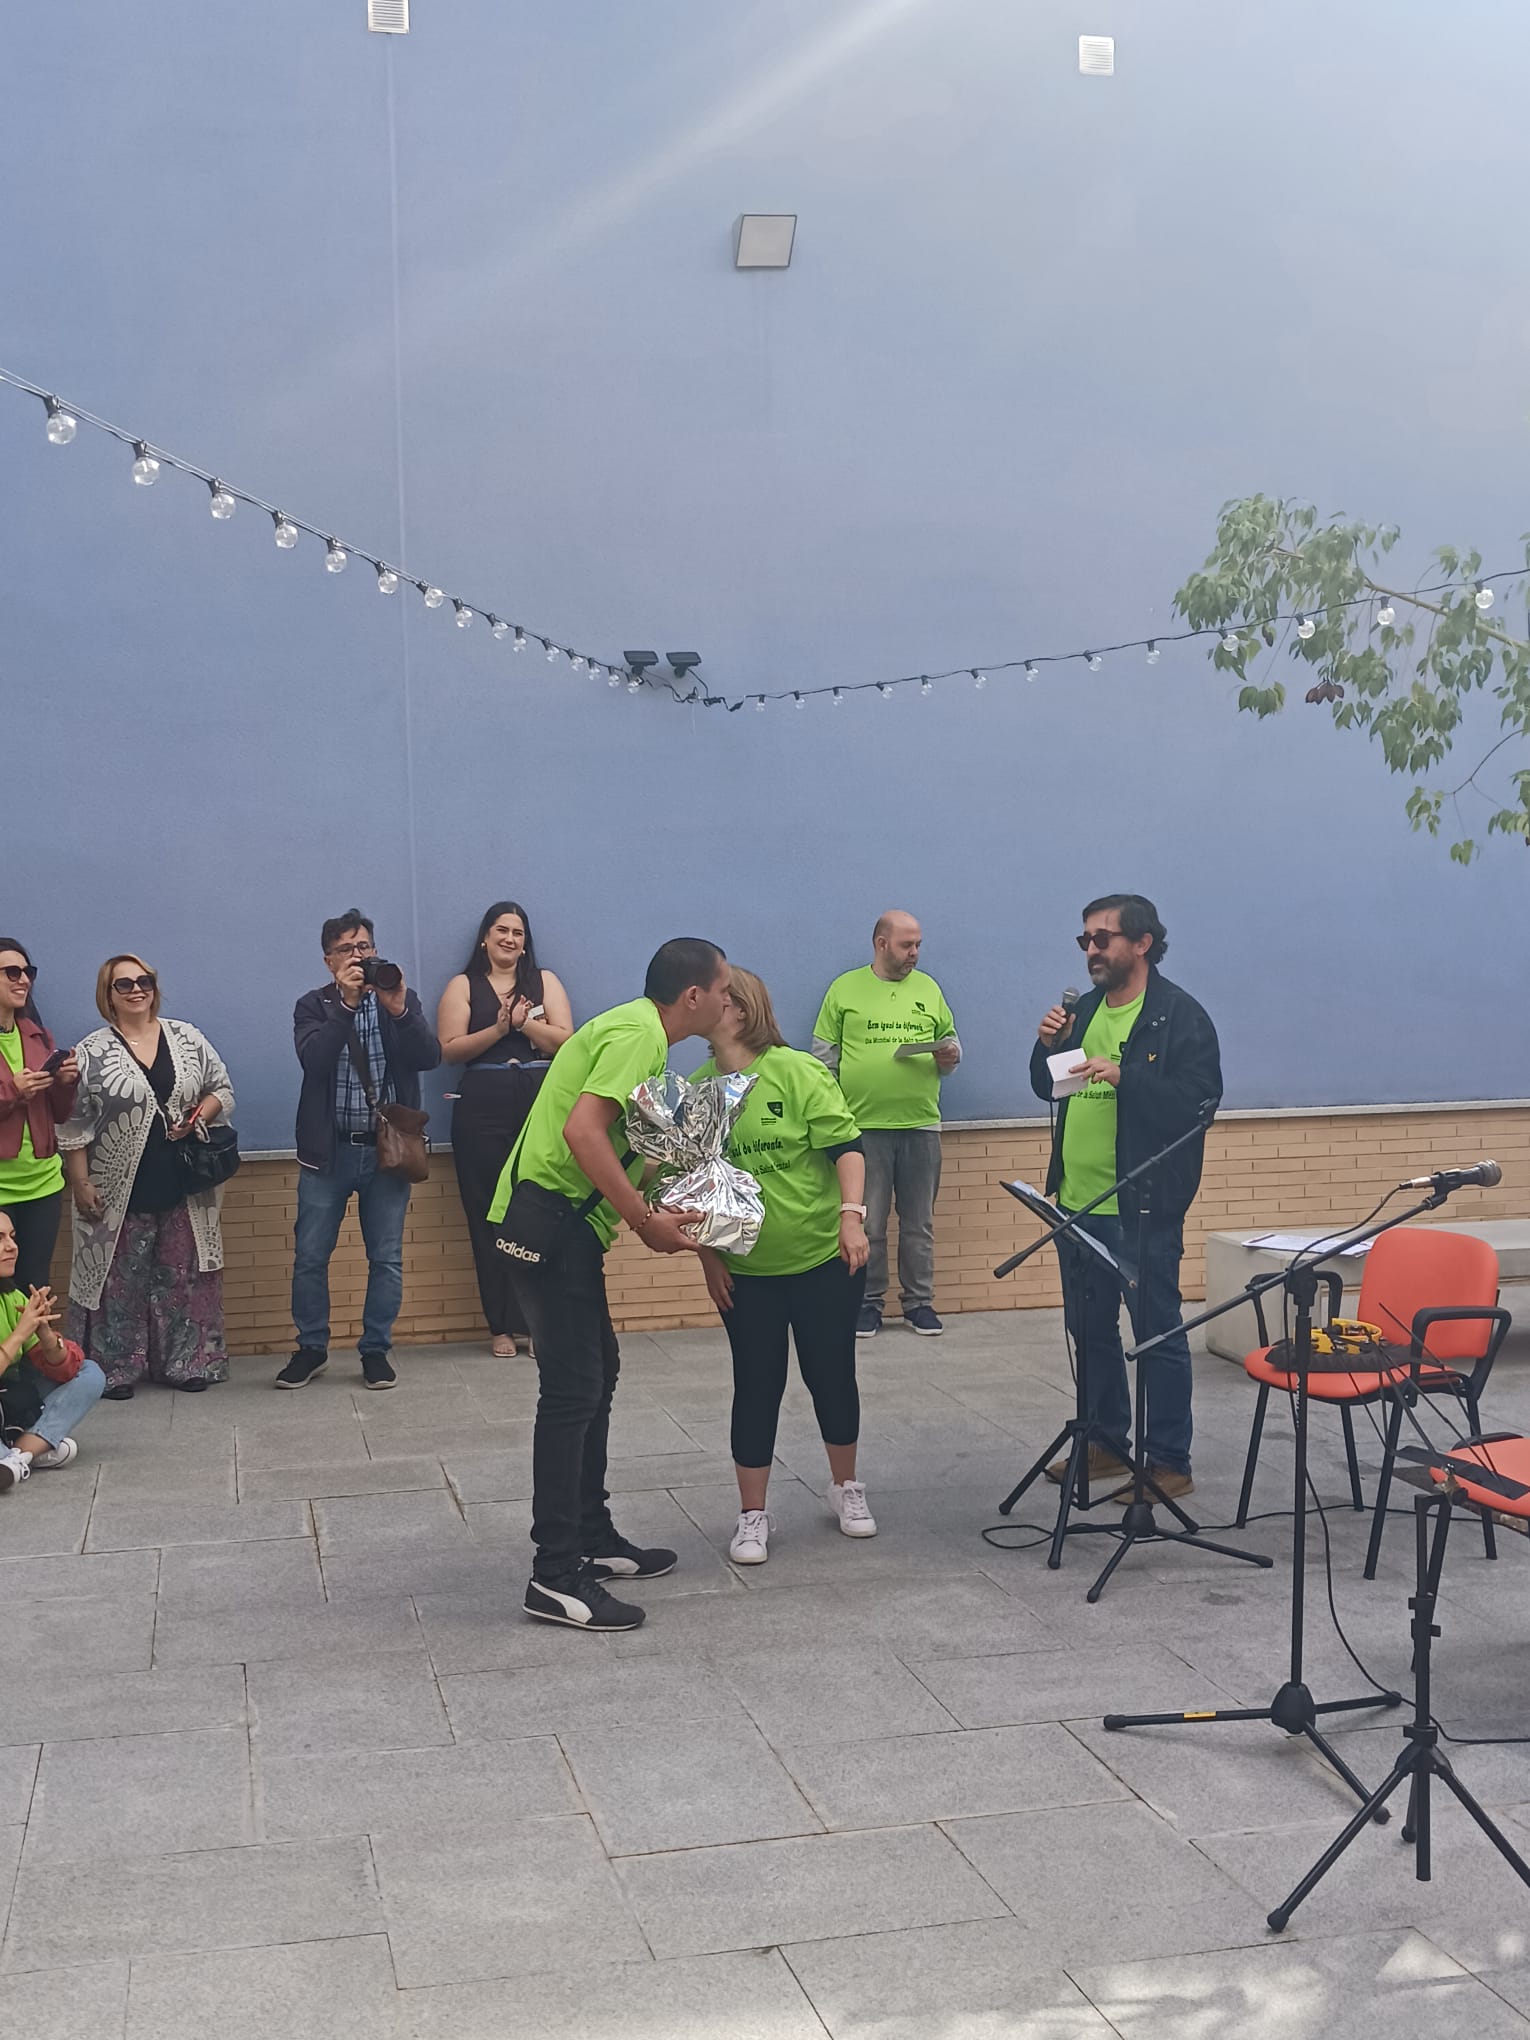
[{"x": 685, "y": 1125}]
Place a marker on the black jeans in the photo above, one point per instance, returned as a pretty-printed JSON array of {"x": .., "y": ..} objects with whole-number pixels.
[
  {"x": 564, "y": 1304},
  {"x": 819, "y": 1308},
  {"x": 36, "y": 1224}
]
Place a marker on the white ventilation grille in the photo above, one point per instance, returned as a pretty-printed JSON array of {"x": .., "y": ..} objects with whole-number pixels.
[
  {"x": 1097, "y": 56},
  {"x": 388, "y": 17}
]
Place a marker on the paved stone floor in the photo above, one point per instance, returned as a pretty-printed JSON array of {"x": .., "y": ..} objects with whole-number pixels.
[{"x": 279, "y": 1755}]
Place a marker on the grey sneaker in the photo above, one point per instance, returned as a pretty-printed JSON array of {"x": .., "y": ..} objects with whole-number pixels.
[{"x": 64, "y": 1453}]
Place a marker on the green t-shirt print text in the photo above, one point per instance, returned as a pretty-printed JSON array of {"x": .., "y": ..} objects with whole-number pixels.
[
  {"x": 1089, "y": 1130},
  {"x": 608, "y": 1056},
  {"x": 866, "y": 1017},
  {"x": 793, "y": 1114}
]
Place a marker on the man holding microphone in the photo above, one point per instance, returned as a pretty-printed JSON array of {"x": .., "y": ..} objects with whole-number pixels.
[{"x": 1150, "y": 1058}]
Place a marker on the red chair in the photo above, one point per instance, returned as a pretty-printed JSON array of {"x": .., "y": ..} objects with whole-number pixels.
[{"x": 1438, "y": 1291}]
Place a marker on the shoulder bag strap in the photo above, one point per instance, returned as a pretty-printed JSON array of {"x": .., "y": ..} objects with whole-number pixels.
[{"x": 361, "y": 1062}]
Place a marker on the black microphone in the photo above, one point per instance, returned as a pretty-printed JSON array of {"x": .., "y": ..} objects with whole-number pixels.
[
  {"x": 1070, "y": 1000},
  {"x": 1484, "y": 1174}
]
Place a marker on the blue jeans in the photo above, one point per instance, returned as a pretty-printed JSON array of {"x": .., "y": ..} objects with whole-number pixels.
[
  {"x": 381, "y": 1203},
  {"x": 1092, "y": 1308},
  {"x": 66, "y": 1403}
]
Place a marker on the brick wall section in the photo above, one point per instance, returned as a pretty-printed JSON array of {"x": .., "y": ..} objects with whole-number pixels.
[{"x": 1261, "y": 1172}]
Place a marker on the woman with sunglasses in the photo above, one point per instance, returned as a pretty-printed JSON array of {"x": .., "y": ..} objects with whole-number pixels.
[
  {"x": 146, "y": 1286},
  {"x": 37, "y": 1087}
]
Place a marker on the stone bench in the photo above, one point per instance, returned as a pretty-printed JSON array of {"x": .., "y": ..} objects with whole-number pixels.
[{"x": 1230, "y": 1265}]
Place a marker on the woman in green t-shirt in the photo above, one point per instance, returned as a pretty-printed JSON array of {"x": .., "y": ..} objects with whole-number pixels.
[
  {"x": 34, "y": 1100},
  {"x": 807, "y": 1271}
]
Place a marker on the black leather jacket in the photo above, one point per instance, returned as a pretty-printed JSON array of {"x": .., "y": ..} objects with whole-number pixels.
[{"x": 1170, "y": 1066}]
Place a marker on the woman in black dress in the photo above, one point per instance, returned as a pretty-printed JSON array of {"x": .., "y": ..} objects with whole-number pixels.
[{"x": 504, "y": 1018}]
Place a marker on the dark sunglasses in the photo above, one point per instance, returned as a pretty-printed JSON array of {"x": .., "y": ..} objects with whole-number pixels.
[
  {"x": 145, "y": 983},
  {"x": 1097, "y": 938},
  {"x": 17, "y": 971}
]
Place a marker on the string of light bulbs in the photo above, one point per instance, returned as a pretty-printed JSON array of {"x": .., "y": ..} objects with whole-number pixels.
[{"x": 149, "y": 459}]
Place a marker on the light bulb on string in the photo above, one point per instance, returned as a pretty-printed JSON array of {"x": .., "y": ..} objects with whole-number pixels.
[
  {"x": 1093, "y": 661},
  {"x": 145, "y": 466},
  {"x": 924, "y": 683},
  {"x": 797, "y": 698},
  {"x": 979, "y": 679},
  {"x": 1305, "y": 628},
  {"x": 61, "y": 426},
  {"x": 884, "y": 690},
  {"x": 464, "y": 616},
  {"x": 284, "y": 531},
  {"x": 336, "y": 558},
  {"x": 1153, "y": 653},
  {"x": 613, "y": 678},
  {"x": 635, "y": 684},
  {"x": 554, "y": 652},
  {"x": 1230, "y": 641},
  {"x": 387, "y": 581},
  {"x": 1483, "y": 597},
  {"x": 1385, "y": 614},
  {"x": 759, "y": 704},
  {"x": 434, "y": 597},
  {"x": 222, "y": 505},
  {"x": 838, "y": 698},
  {"x": 520, "y": 640},
  {"x": 499, "y": 630},
  {"x": 576, "y": 663},
  {"x": 1030, "y": 669}
]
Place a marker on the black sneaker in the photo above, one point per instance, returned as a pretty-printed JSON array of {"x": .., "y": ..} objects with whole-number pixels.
[
  {"x": 582, "y": 1603},
  {"x": 869, "y": 1323},
  {"x": 618, "y": 1560},
  {"x": 305, "y": 1363},
  {"x": 377, "y": 1371}
]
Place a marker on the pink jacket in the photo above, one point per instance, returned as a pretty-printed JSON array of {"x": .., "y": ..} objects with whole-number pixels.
[{"x": 43, "y": 1112}]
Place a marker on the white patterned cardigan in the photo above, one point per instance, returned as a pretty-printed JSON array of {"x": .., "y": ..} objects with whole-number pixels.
[{"x": 113, "y": 1111}]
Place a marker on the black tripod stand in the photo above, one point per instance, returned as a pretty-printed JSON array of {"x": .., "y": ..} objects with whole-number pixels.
[
  {"x": 1421, "y": 1759},
  {"x": 1138, "y": 1525},
  {"x": 1293, "y": 1708}
]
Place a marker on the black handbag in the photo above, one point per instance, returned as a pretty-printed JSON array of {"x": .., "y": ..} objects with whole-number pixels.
[{"x": 208, "y": 1155}]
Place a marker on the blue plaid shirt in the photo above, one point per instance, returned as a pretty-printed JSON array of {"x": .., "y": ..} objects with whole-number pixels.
[{"x": 352, "y": 1112}]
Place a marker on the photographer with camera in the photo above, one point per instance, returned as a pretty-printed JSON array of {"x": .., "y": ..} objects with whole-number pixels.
[{"x": 366, "y": 1013}]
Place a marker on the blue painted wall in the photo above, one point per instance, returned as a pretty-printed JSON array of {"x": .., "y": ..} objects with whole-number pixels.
[{"x": 468, "y": 297}]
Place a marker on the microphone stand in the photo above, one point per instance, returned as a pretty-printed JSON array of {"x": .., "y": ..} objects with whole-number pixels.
[
  {"x": 1293, "y": 1708},
  {"x": 1139, "y": 1524}
]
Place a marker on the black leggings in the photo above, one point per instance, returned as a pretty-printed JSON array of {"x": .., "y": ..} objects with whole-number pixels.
[
  {"x": 485, "y": 1122},
  {"x": 36, "y": 1224},
  {"x": 819, "y": 1308}
]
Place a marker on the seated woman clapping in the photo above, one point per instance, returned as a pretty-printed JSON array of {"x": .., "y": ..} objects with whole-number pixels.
[{"x": 46, "y": 1383}]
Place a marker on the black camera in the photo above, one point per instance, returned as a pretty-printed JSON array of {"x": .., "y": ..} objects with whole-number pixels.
[{"x": 376, "y": 970}]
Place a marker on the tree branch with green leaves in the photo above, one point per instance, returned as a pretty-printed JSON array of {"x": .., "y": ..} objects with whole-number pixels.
[{"x": 1398, "y": 663}]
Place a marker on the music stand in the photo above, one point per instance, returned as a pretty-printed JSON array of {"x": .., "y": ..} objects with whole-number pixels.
[
  {"x": 1078, "y": 1432},
  {"x": 1422, "y": 1758},
  {"x": 1138, "y": 1524}
]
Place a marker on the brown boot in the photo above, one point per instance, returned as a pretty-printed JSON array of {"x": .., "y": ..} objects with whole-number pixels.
[
  {"x": 1170, "y": 1483},
  {"x": 1103, "y": 1467}
]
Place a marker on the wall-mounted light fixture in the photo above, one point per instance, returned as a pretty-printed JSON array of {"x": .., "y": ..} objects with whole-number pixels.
[
  {"x": 681, "y": 663},
  {"x": 764, "y": 240}
]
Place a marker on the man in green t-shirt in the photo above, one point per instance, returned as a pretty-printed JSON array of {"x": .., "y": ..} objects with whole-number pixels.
[
  {"x": 571, "y": 1165},
  {"x": 1153, "y": 1068},
  {"x": 867, "y": 1016}
]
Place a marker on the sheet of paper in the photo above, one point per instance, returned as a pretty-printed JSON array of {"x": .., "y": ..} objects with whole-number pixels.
[
  {"x": 908, "y": 1048},
  {"x": 1064, "y": 1085},
  {"x": 1299, "y": 1242}
]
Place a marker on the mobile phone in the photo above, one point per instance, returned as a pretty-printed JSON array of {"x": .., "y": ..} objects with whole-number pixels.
[{"x": 59, "y": 1056}]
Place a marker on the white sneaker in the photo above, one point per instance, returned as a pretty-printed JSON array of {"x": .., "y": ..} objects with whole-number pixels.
[
  {"x": 751, "y": 1540},
  {"x": 14, "y": 1468},
  {"x": 61, "y": 1454},
  {"x": 849, "y": 1503}
]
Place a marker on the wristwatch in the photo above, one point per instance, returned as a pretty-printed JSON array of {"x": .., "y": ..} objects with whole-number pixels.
[{"x": 858, "y": 1209}]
